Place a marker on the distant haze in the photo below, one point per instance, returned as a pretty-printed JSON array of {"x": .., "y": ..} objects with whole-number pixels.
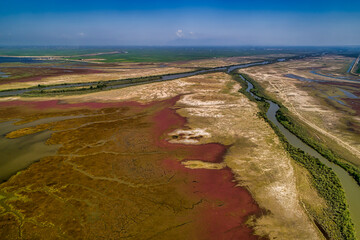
[{"x": 183, "y": 23}]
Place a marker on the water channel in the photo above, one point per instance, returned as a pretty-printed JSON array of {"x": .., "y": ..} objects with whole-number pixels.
[
  {"x": 336, "y": 77},
  {"x": 19, "y": 153},
  {"x": 125, "y": 82},
  {"x": 351, "y": 188}
]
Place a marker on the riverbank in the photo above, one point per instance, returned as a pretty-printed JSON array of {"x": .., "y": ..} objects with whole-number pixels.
[
  {"x": 325, "y": 180},
  {"x": 87, "y": 87},
  {"x": 93, "y": 86}
]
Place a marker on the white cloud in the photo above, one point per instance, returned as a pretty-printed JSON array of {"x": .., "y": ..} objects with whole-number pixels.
[
  {"x": 179, "y": 33},
  {"x": 81, "y": 34}
]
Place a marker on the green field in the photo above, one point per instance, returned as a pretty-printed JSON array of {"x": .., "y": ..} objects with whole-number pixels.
[
  {"x": 177, "y": 54},
  {"x": 163, "y": 54},
  {"x": 148, "y": 54}
]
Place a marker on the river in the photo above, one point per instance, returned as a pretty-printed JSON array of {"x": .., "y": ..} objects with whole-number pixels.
[
  {"x": 114, "y": 84},
  {"x": 351, "y": 66},
  {"x": 351, "y": 188},
  {"x": 125, "y": 82}
]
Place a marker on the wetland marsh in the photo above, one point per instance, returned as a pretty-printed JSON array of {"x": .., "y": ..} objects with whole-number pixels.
[
  {"x": 179, "y": 120},
  {"x": 164, "y": 153}
]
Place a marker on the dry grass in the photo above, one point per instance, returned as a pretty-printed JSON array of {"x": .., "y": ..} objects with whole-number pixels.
[
  {"x": 308, "y": 102},
  {"x": 218, "y": 113},
  {"x": 217, "y": 62},
  {"x": 107, "y": 74}
]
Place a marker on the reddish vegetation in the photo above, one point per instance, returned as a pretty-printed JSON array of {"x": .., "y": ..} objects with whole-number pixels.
[
  {"x": 55, "y": 72},
  {"x": 224, "y": 207},
  {"x": 225, "y": 219},
  {"x": 59, "y": 105},
  {"x": 224, "y": 212},
  {"x": 168, "y": 120}
]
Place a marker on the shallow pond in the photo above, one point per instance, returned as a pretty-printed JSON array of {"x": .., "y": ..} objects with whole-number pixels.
[
  {"x": 19, "y": 153},
  {"x": 4, "y": 75},
  {"x": 19, "y": 59},
  {"x": 349, "y": 94}
]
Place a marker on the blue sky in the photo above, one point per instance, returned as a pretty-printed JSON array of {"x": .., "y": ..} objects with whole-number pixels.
[{"x": 210, "y": 22}]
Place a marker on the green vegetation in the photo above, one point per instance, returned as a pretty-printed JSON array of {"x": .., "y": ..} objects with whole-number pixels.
[
  {"x": 166, "y": 54},
  {"x": 283, "y": 117},
  {"x": 80, "y": 88},
  {"x": 335, "y": 221},
  {"x": 65, "y": 91},
  {"x": 85, "y": 89},
  {"x": 147, "y": 54}
]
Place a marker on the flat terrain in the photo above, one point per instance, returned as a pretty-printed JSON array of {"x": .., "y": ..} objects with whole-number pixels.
[
  {"x": 322, "y": 96},
  {"x": 142, "y": 54},
  {"x": 179, "y": 160},
  {"x": 23, "y": 75},
  {"x": 191, "y": 158}
]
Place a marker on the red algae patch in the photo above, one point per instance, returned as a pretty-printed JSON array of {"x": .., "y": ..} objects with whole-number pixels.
[
  {"x": 167, "y": 120},
  {"x": 227, "y": 207}
]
